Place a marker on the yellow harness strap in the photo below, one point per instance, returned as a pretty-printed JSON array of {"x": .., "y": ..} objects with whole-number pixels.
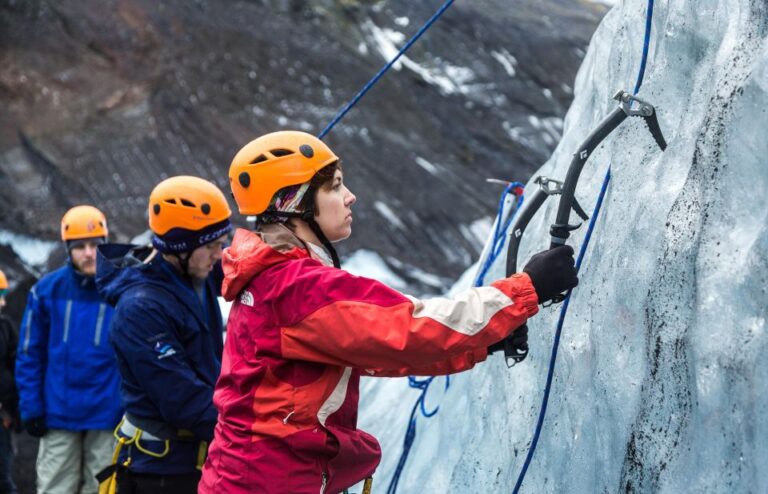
[
  {"x": 368, "y": 485},
  {"x": 108, "y": 476},
  {"x": 202, "y": 453}
]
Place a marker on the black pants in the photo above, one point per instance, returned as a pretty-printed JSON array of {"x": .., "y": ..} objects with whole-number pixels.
[
  {"x": 139, "y": 483},
  {"x": 6, "y": 462}
]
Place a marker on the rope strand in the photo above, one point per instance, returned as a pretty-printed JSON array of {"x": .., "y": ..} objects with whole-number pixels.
[{"x": 582, "y": 252}]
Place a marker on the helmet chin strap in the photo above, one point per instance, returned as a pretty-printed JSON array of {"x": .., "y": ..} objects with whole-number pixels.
[{"x": 309, "y": 217}]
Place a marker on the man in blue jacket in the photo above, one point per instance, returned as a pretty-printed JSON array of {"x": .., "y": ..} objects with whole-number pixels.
[
  {"x": 167, "y": 333},
  {"x": 66, "y": 371}
]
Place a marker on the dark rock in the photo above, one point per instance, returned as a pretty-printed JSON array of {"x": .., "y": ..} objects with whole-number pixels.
[{"x": 102, "y": 99}]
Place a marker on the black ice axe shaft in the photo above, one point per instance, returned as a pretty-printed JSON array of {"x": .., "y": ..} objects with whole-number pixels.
[
  {"x": 516, "y": 345},
  {"x": 561, "y": 229},
  {"x": 547, "y": 187}
]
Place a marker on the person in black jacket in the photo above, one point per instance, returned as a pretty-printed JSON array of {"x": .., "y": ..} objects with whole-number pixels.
[{"x": 9, "y": 401}]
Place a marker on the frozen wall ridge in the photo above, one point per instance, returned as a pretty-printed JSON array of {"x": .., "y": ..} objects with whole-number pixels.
[
  {"x": 667, "y": 397},
  {"x": 660, "y": 380}
]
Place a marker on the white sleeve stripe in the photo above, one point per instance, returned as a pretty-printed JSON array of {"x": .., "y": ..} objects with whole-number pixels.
[
  {"x": 337, "y": 397},
  {"x": 468, "y": 313}
]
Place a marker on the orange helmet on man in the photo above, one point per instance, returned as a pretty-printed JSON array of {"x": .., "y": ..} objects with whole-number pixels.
[
  {"x": 83, "y": 224},
  {"x": 185, "y": 213}
]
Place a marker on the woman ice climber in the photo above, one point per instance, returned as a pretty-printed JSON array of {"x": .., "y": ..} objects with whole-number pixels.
[{"x": 302, "y": 331}]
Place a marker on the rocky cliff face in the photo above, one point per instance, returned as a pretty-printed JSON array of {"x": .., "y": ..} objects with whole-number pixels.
[{"x": 102, "y": 99}]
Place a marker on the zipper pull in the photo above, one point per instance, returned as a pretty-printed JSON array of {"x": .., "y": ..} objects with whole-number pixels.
[{"x": 324, "y": 483}]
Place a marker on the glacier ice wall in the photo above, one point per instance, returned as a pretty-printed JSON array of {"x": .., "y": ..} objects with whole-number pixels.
[{"x": 660, "y": 384}]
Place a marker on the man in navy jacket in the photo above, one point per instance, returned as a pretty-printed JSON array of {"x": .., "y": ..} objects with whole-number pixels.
[
  {"x": 65, "y": 369},
  {"x": 167, "y": 333}
]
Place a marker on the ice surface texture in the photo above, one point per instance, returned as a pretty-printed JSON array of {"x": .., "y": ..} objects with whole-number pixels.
[{"x": 661, "y": 378}]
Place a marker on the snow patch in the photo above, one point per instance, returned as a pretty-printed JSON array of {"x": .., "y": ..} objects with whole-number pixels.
[
  {"x": 448, "y": 79},
  {"x": 369, "y": 264},
  {"x": 481, "y": 229},
  {"x": 433, "y": 169},
  {"x": 507, "y": 60},
  {"x": 32, "y": 251},
  {"x": 389, "y": 215}
]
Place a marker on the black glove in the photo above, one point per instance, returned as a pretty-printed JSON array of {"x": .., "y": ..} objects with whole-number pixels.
[
  {"x": 552, "y": 272},
  {"x": 517, "y": 342},
  {"x": 36, "y": 427}
]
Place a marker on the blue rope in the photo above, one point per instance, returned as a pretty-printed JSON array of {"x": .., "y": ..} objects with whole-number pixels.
[
  {"x": 423, "y": 384},
  {"x": 582, "y": 252},
  {"x": 646, "y": 46},
  {"x": 384, "y": 69},
  {"x": 500, "y": 234},
  {"x": 410, "y": 433},
  {"x": 556, "y": 344}
]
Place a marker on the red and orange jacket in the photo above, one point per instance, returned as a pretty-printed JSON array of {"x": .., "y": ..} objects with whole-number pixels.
[{"x": 300, "y": 333}]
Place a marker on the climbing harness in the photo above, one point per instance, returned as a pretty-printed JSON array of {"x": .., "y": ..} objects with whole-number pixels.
[
  {"x": 129, "y": 434},
  {"x": 560, "y": 230}
]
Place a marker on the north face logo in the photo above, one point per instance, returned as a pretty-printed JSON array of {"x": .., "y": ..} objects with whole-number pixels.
[{"x": 246, "y": 298}]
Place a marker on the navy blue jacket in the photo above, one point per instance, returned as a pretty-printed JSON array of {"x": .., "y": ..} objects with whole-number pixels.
[
  {"x": 168, "y": 344},
  {"x": 65, "y": 369}
]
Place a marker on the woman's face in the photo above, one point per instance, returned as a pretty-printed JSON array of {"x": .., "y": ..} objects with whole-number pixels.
[{"x": 334, "y": 205}]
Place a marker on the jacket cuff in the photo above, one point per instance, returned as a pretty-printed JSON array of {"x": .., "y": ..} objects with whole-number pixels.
[
  {"x": 479, "y": 355},
  {"x": 519, "y": 288}
]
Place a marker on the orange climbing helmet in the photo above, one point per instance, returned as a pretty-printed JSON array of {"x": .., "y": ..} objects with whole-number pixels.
[
  {"x": 83, "y": 222},
  {"x": 187, "y": 212},
  {"x": 274, "y": 161},
  {"x": 3, "y": 283}
]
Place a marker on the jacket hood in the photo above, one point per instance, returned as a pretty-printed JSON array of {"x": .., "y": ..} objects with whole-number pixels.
[
  {"x": 122, "y": 266},
  {"x": 253, "y": 252}
]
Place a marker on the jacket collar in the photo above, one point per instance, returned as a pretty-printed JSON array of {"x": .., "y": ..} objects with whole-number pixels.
[{"x": 253, "y": 252}]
